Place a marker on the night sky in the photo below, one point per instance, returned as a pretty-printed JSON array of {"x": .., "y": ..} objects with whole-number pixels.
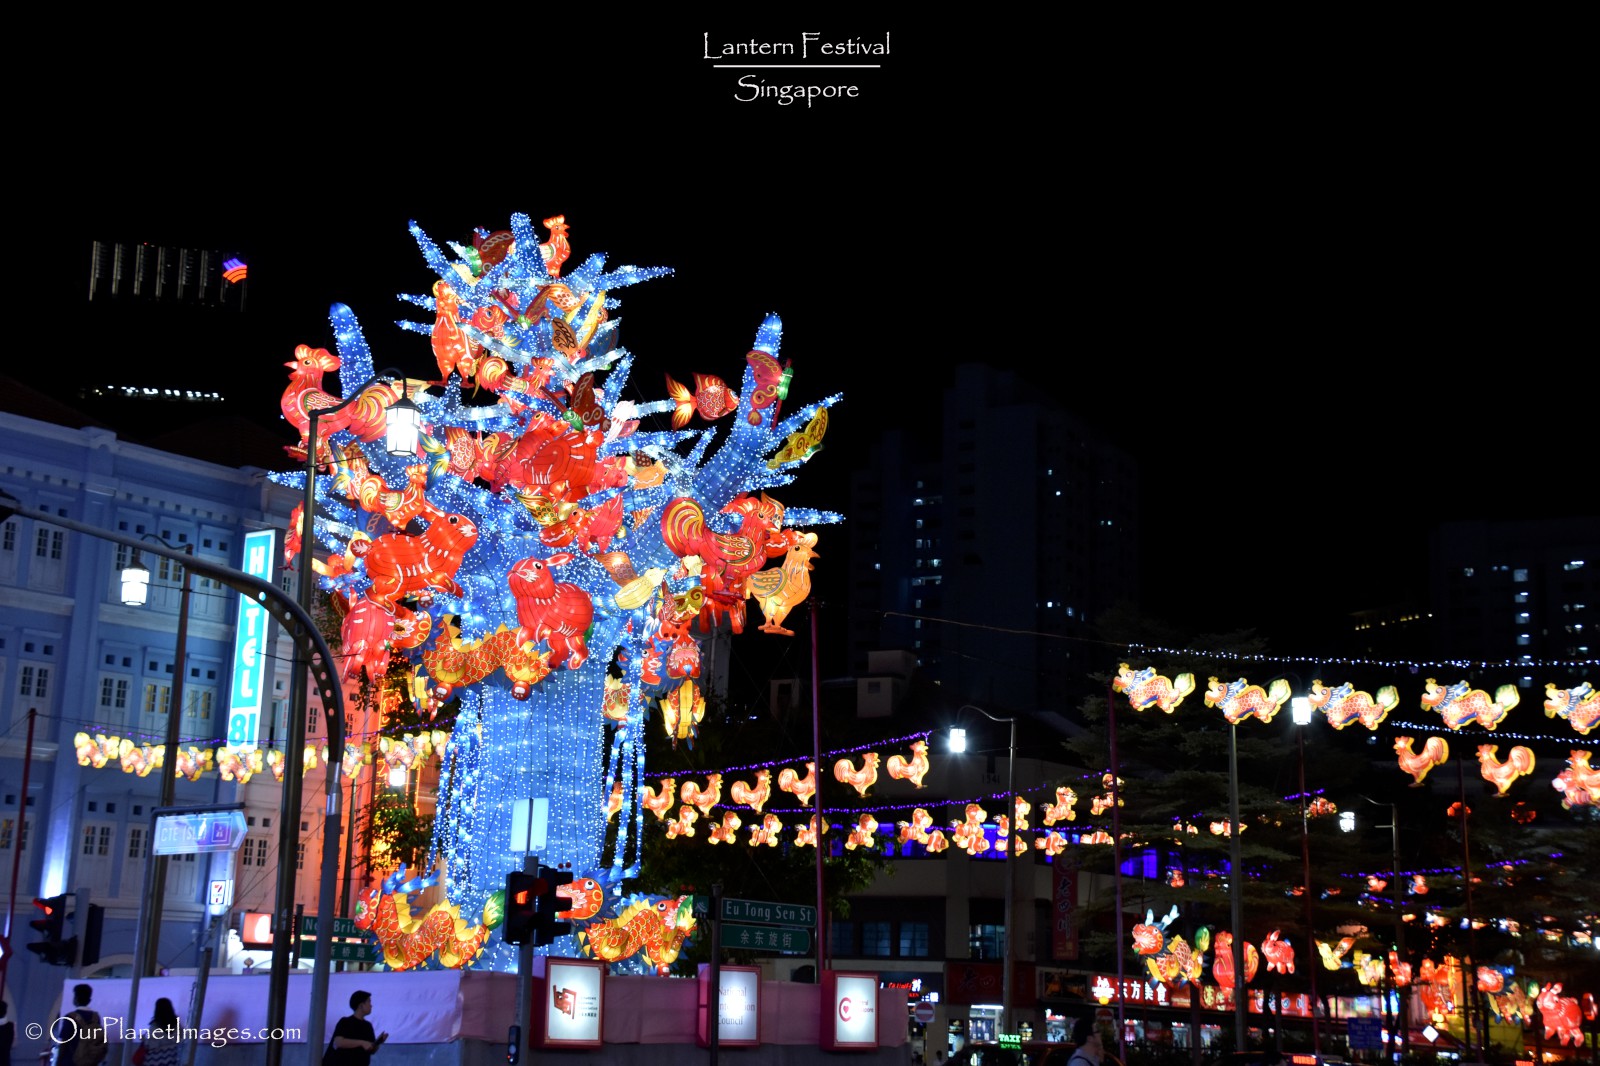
[{"x": 1320, "y": 319}]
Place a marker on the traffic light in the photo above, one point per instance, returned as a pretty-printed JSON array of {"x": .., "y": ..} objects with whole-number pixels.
[
  {"x": 522, "y": 898},
  {"x": 546, "y": 927},
  {"x": 93, "y": 926},
  {"x": 52, "y": 949}
]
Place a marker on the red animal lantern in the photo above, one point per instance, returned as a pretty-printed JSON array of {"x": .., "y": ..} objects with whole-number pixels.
[
  {"x": 1561, "y": 1016},
  {"x": 400, "y": 565},
  {"x": 547, "y": 611}
]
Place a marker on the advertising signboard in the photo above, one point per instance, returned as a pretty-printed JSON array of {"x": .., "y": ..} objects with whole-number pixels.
[
  {"x": 739, "y": 1015},
  {"x": 569, "y": 1003},
  {"x": 849, "y": 1011},
  {"x": 250, "y": 651}
]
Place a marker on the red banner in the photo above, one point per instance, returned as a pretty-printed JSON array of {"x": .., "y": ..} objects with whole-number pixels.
[
  {"x": 982, "y": 982},
  {"x": 1064, "y": 900}
]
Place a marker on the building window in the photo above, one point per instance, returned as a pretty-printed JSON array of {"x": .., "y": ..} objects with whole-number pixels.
[
  {"x": 136, "y": 842},
  {"x": 1523, "y": 638},
  {"x": 1519, "y": 575},
  {"x": 842, "y": 938},
  {"x": 300, "y": 858},
  {"x": 113, "y": 693},
  {"x": 97, "y": 840},
  {"x": 47, "y": 544},
  {"x": 8, "y": 537},
  {"x": 987, "y": 941},
  {"x": 875, "y": 939},
  {"x": 201, "y": 703},
  {"x": 157, "y": 698},
  {"x": 34, "y": 681},
  {"x": 170, "y": 570},
  {"x": 914, "y": 940}
]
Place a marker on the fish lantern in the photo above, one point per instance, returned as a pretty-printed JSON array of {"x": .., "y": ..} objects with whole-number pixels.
[
  {"x": 1333, "y": 955},
  {"x": 1579, "y": 705},
  {"x": 1239, "y": 699},
  {"x": 1146, "y": 688},
  {"x": 1461, "y": 704},
  {"x": 682, "y": 711},
  {"x": 1345, "y": 704}
]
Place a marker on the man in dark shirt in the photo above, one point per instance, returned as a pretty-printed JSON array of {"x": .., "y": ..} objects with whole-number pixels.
[{"x": 353, "y": 1040}]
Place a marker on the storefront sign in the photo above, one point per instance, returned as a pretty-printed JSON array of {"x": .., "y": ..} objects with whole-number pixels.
[
  {"x": 1064, "y": 907},
  {"x": 982, "y": 982},
  {"x": 738, "y": 1008},
  {"x": 569, "y": 1003},
  {"x": 250, "y": 648},
  {"x": 849, "y": 1011}
]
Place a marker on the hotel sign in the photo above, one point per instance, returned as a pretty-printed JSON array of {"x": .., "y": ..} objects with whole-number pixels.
[{"x": 249, "y": 648}]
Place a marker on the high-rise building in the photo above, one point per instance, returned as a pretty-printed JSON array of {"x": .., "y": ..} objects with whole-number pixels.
[
  {"x": 980, "y": 543},
  {"x": 1518, "y": 590}
]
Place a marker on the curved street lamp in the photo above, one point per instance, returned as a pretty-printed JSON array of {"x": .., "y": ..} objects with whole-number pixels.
[
  {"x": 403, "y": 420},
  {"x": 958, "y": 744},
  {"x": 147, "y": 935}
]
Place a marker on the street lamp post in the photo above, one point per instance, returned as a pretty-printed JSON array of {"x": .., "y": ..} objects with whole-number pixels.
[
  {"x": 1300, "y": 708},
  {"x": 1236, "y": 892},
  {"x": 403, "y": 420},
  {"x": 1402, "y": 1021},
  {"x": 135, "y": 581},
  {"x": 958, "y": 744}
]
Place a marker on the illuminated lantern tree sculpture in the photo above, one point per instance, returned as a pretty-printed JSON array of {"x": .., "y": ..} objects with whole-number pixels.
[{"x": 545, "y": 558}]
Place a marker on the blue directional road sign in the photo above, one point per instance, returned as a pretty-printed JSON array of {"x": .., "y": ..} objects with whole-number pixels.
[
  {"x": 199, "y": 831},
  {"x": 1365, "y": 1034}
]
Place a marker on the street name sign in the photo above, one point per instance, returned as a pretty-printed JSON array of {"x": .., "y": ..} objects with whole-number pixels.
[
  {"x": 784, "y": 939},
  {"x": 754, "y": 910},
  {"x": 342, "y": 927}
]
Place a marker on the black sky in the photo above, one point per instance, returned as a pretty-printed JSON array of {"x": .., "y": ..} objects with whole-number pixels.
[{"x": 1322, "y": 313}]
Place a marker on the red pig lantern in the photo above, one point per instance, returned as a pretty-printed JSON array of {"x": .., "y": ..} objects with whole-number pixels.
[{"x": 559, "y": 613}]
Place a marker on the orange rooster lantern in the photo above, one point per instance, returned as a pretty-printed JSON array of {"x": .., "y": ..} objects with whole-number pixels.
[
  {"x": 1461, "y": 704},
  {"x": 1578, "y": 784},
  {"x": 703, "y": 798},
  {"x": 1222, "y": 970},
  {"x": 1579, "y": 705},
  {"x": 778, "y": 590},
  {"x": 754, "y": 798},
  {"x": 861, "y": 780},
  {"x": 1345, "y": 704},
  {"x": 1146, "y": 688},
  {"x": 802, "y": 788},
  {"x": 1519, "y": 762},
  {"x": 912, "y": 769},
  {"x": 1435, "y": 750},
  {"x": 1240, "y": 699}
]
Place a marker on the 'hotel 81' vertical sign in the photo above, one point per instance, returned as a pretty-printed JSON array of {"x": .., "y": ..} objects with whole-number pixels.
[{"x": 249, "y": 648}]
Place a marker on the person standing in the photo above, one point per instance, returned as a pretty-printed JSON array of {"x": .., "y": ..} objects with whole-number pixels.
[
  {"x": 80, "y": 1034},
  {"x": 160, "y": 1048},
  {"x": 1089, "y": 1050},
  {"x": 354, "y": 1042}
]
